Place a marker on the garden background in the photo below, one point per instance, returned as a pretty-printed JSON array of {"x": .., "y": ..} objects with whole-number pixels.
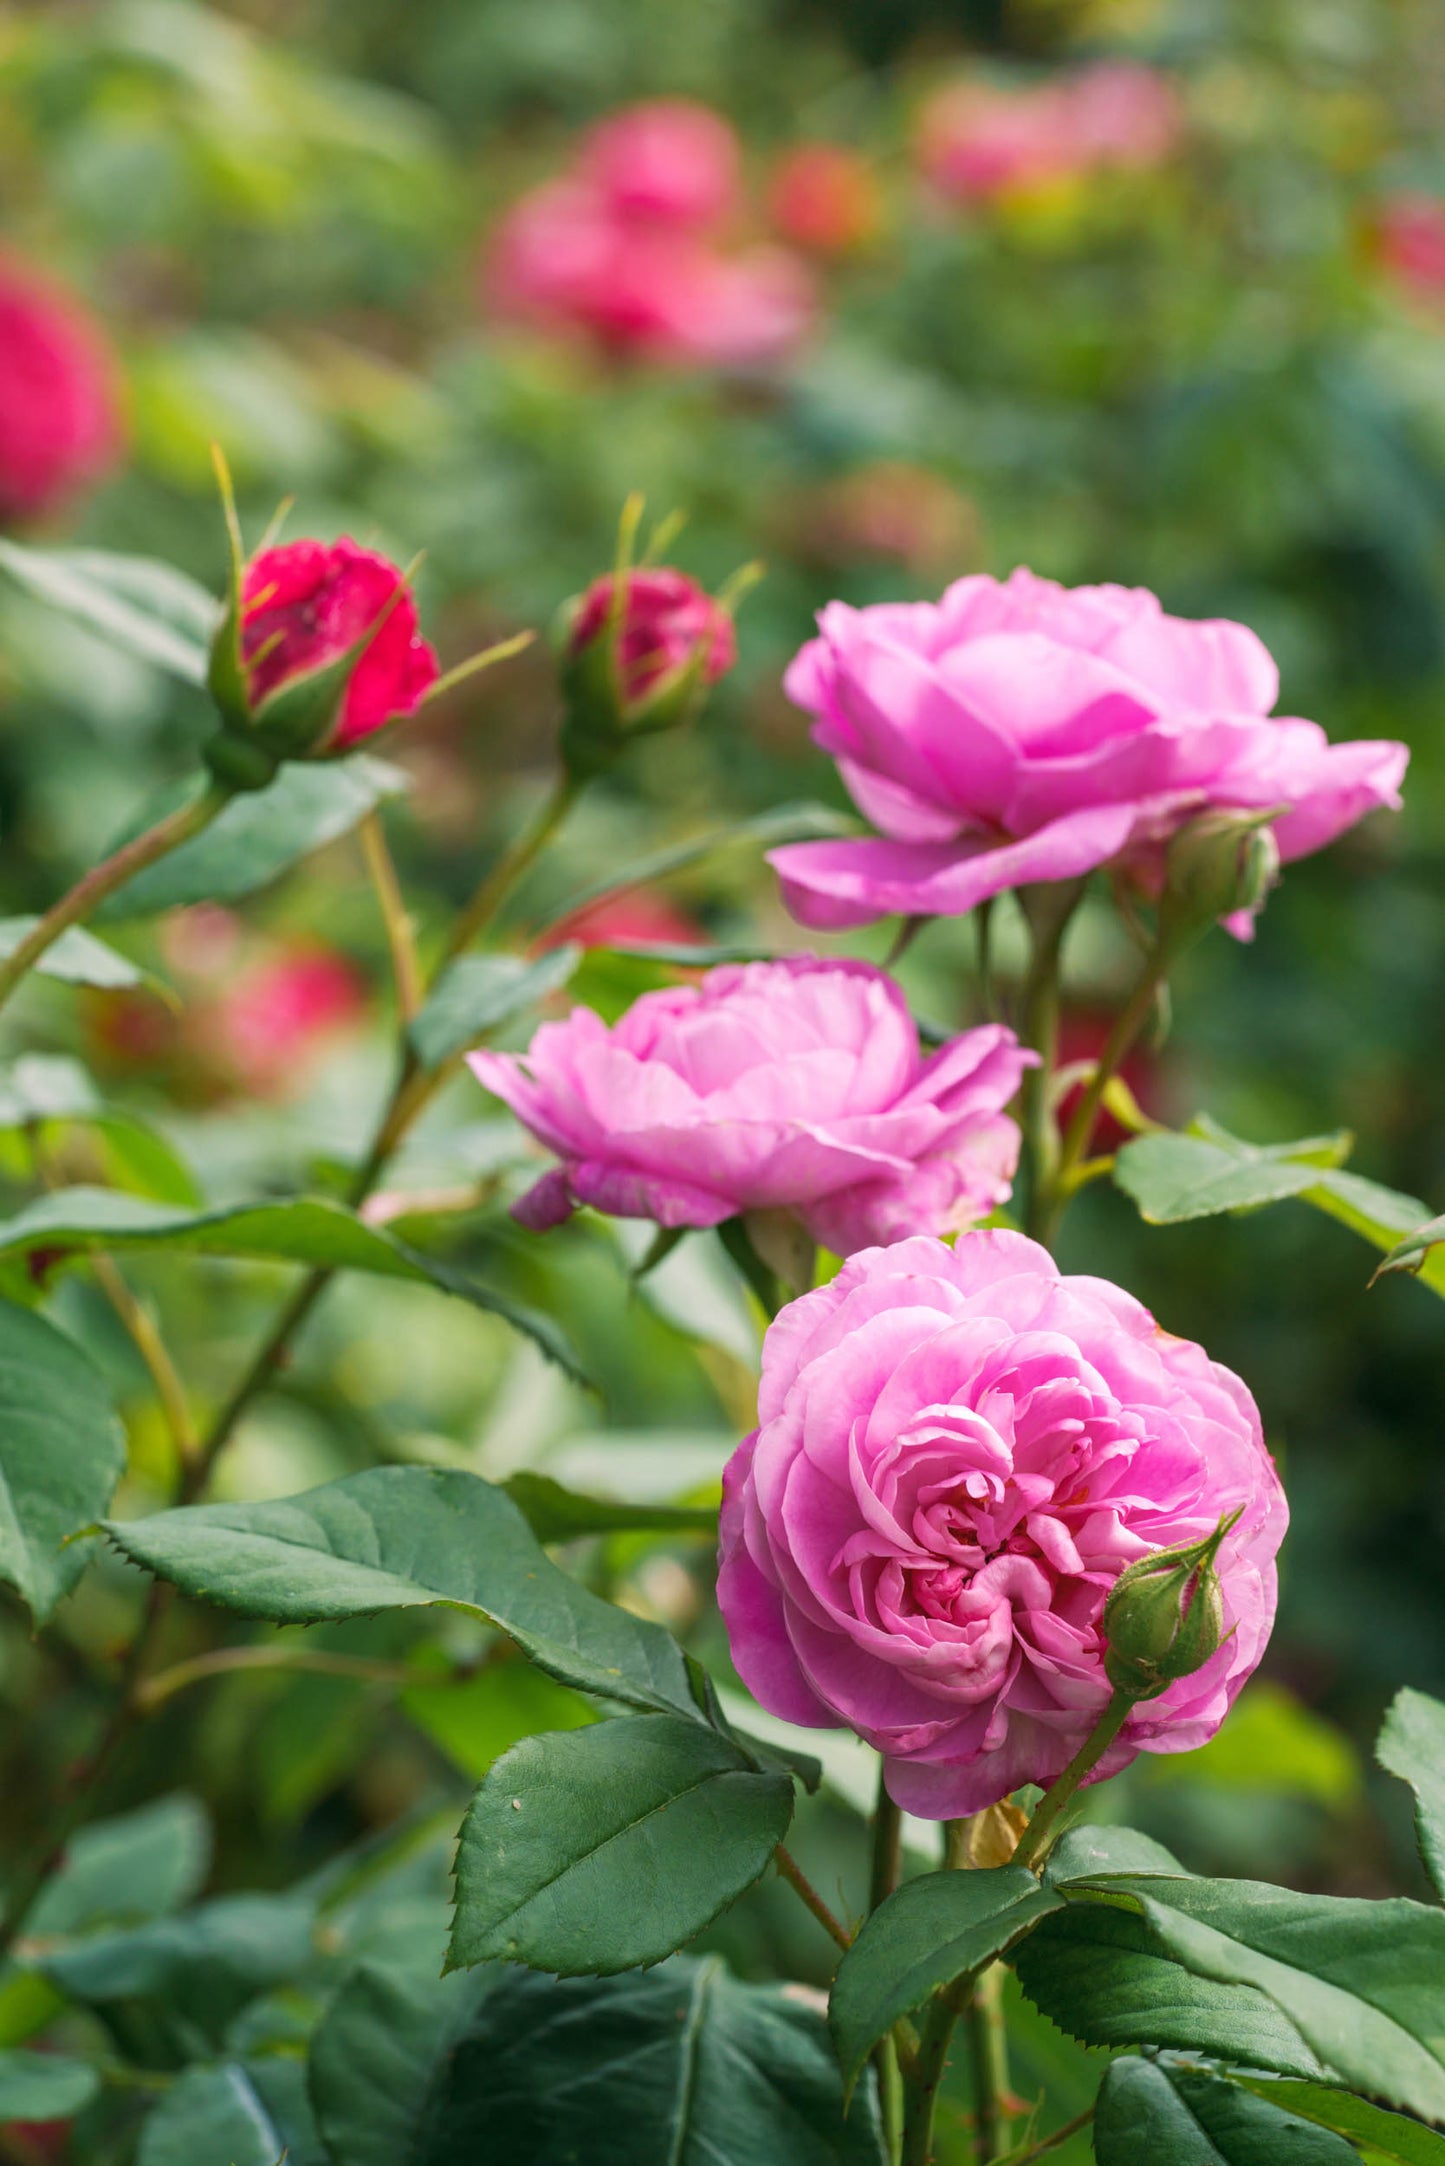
[{"x": 1218, "y": 371}]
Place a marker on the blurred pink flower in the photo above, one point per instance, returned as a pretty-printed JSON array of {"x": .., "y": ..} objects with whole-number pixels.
[
  {"x": 306, "y": 603},
  {"x": 280, "y": 1012},
  {"x": 796, "y": 1084},
  {"x": 639, "y": 918},
  {"x": 1020, "y": 731},
  {"x": 979, "y": 141},
  {"x": 825, "y": 197},
  {"x": 957, "y": 1453},
  {"x": 1411, "y": 245},
  {"x": 669, "y": 160},
  {"x": 60, "y": 420},
  {"x": 1122, "y": 113}
]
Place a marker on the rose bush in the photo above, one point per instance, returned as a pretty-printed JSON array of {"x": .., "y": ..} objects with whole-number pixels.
[
  {"x": 957, "y": 1453},
  {"x": 797, "y": 1084},
  {"x": 1019, "y": 731}
]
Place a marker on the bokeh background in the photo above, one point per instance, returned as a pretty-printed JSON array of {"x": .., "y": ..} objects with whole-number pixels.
[{"x": 1137, "y": 290}]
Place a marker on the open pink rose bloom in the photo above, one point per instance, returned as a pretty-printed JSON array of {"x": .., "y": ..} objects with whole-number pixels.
[
  {"x": 796, "y": 1084},
  {"x": 1019, "y": 731},
  {"x": 958, "y": 1451}
]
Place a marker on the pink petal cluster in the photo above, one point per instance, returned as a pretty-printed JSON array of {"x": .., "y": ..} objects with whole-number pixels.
[
  {"x": 796, "y": 1084},
  {"x": 60, "y": 425},
  {"x": 958, "y": 1451},
  {"x": 628, "y": 248},
  {"x": 280, "y": 1012},
  {"x": 665, "y": 618},
  {"x": 1020, "y": 731},
  {"x": 306, "y": 603},
  {"x": 978, "y": 141}
]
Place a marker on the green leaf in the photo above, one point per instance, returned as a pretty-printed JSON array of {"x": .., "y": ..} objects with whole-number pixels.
[
  {"x": 407, "y": 1538},
  {"x": 555, "y": 1514},
  {"x": 1416, "y": 1253},
  {"x": 310, "y": 1230},
  {"x": 929, "y": 1932},
  {"x": 478, "y": 993},
  {"x": 124, "y": 1870},
  {"x": 77, "y": 957},
  {"x": 1387, "y": 2139},
  {"x": 1150, "y": 2111},
  {"x": 1363, "y": 1983},
  {"x": 1101, "y": 1975},
  {"x": 44, "y": 2086},
  {"x": 788, "y": 823},
  {"x": 56, "y": 1094},
  {"x": 138, "y": 603},
  {"x": 62, "y": 1451},
  {"x": 1086, "y": 1851},
  {"x": 1412, "y": 1746},
  {"x": 1176, "y": 1177},
  {"x": 593, "y": 1851},
  {"x": 683, "y": 2064},
  {"x": 252, "y": 2113},
  {"x": 259, "y": 835}
]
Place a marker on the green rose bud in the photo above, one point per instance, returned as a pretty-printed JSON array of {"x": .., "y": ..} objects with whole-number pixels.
[
  {"x": 1165, "y": 1617},
  {"x": 1217, "y": 865}
]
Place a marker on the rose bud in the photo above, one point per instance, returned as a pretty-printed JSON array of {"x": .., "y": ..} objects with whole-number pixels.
[
  {"x": 638, "y": 650},
  {"x": 1165, "y": 1617},
  {"x": 319, "y": 650},
  {"x": 1218, "y": 869}
]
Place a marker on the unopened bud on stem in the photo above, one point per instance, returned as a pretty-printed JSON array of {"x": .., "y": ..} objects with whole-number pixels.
[
  {"x": 1217, "y": 866},
  {"x": 1165, "y": 1617}
]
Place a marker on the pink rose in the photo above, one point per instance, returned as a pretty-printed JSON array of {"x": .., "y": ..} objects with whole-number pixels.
[
  {"x": 1122, "y": 113},
  {"x": 60, "y": 425},
  {"x": 1021, "y": 731},
  {"x": 796, "y": 1084},
  {"x": 666, "y": 617},
  {"x": 306, "y": 603},
  {"x": 958, "y": 1452},
  {"x": 669, "y": 160}
]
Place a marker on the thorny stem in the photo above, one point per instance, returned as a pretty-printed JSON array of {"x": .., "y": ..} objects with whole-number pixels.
[
  {"x": 1051, "y": 2142},
  {"x": 1042, "y": 1832},
  {"x": 932, "y": 2059},
  {"x": 988, "y": 2052},
  {"x": 797, "y": 1879},
  {"x": 102, "y": 880}
]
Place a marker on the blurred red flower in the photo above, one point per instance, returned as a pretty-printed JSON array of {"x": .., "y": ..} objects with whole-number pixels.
[{"x": 60, "y": 416}]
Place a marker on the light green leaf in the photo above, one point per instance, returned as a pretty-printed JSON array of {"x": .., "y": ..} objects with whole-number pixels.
[
  {"x": 1386, "y": 2139},
  {"x": 555, "y": 1514},
  {"x": 44, "y": 2086},
  {"x": 593, "y": 1851},
  {"x": 1176, "y": 1177},
  {"x": 409, "y": 1538},
  {"x": 474, "y": 1720},
  {"x": 259, "y": 835},
  {"x": 929, "y": 1932},
  {"x": 309, "y": 1230},
  {"x": 1152, "y": 2111},
  {"x": 56, "y": 1094},
  {"x": 252, "y": 2113},
  {"x": 478, "y": 993},
  {"x": 77, "y": 957},
  {"x": 147, "y": 607},
  {"x": 683, "y": 2064},
  {"x": 1270, "y": 1741},
  {"x": 1417, "y": 1253},
  {"x": 62, "y": 1452},
  {"x": 1412, "y": 1746}
]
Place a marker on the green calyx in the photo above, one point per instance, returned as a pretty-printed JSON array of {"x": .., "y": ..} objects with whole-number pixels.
[{"x": 1165, "y": 1617}]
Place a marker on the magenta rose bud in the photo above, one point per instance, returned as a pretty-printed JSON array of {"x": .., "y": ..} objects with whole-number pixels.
[
  {"x": 958, "y": 1453},
  {"x": 60, "y": 425},
  {"x": 308, "y": 605},
  {"x": 639, "y": 665},
  {"x": 796, "y": 1085},
  {"x": 1018, "y": 731}
]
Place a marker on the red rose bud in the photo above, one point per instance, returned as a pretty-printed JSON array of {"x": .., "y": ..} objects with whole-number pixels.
[
  {"x": 638, "y": 651},
  {"x": 1165, "y": 1617},
  {"x": 320, "y": 650}
]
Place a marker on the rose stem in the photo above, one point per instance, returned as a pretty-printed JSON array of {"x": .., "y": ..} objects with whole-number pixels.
[{"x": 1039, "y": 1836}]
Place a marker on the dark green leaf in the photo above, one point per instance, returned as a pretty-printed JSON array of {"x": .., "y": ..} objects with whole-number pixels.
[
  {"x": 260, "y": 835},
  {"x": 1384, "y": 2137},
  {"x": 1101, "y": 1975},
  {"x": 139, "y": 1865},
  {"x": 931, "y": 1931},
  {"x": 478, "y": 993},
  {"x": 1085, "y": 1851},
  {"x": 1152, "y": 2111},
  {"x": 149, "y": 608},
  {"x": 44, "y": 2086},
  {"x": 62, "y": 1452},
  {"x": 555, "y": 1514},
  {"x": 244, "y": 2113},
  {"x": 1412, "y": 1746},
  {"x": 309, "y": 1230},
  {"x": 1363, "y": 1983},
  {"x": 788, "y": 823},
  {"x": 682, "y": 2064},
  {"x": 405, "y": 1538},
  {"x": 77, "y": 957},
  {"x": 592, "y": 1851}
]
